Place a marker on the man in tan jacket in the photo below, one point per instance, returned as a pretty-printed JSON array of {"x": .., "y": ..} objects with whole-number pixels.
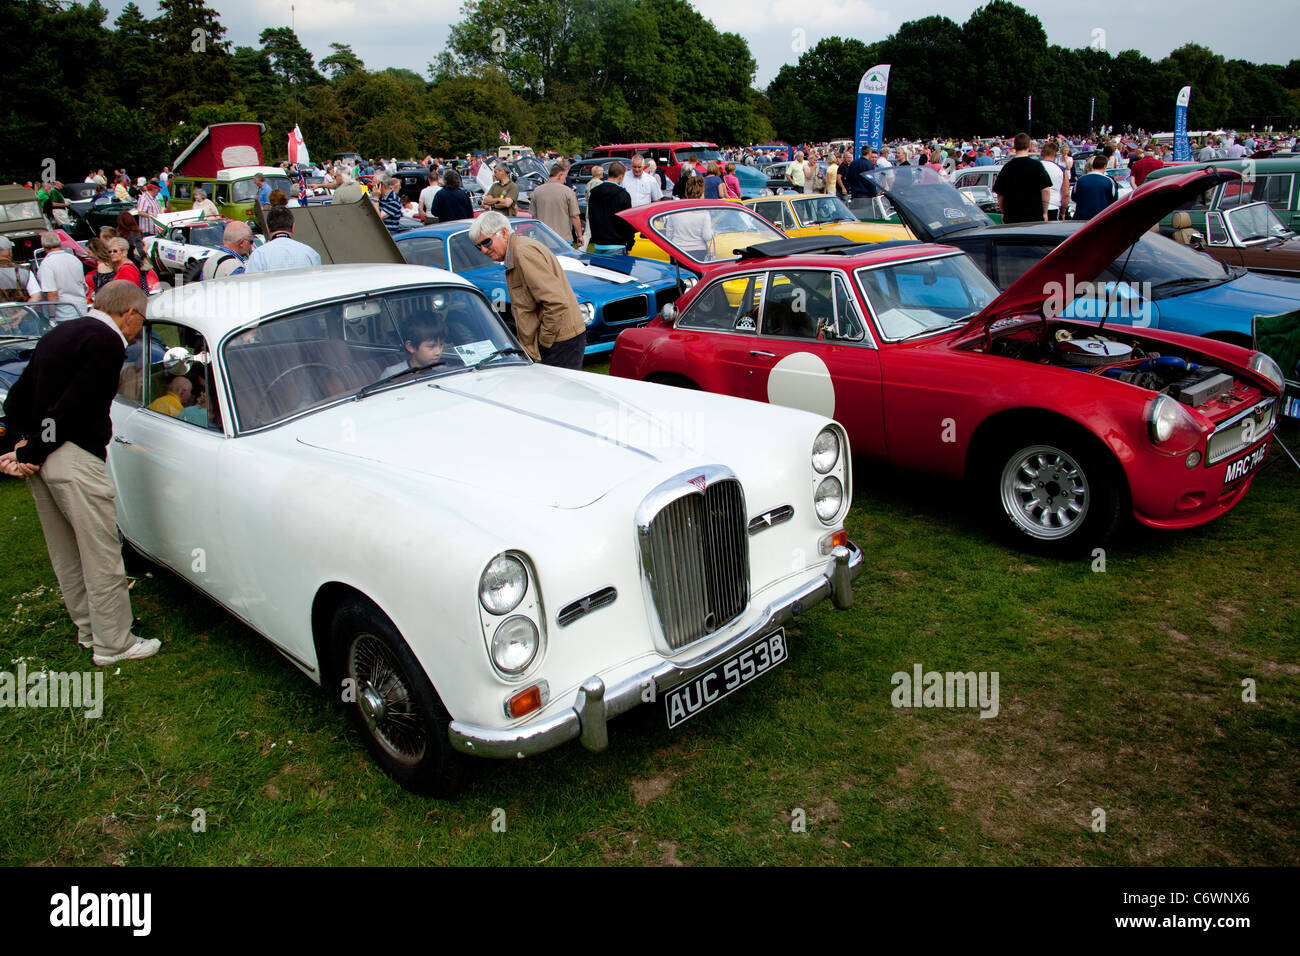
[{"x": 548, "y": 321}]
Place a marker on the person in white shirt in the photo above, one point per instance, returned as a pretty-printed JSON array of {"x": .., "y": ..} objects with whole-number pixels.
[
  {"x": 428, "y": 192},
  {"x": 642, "y": 186},
  {"x": 282, "y": 251},
  {"x": 204, "y": 206},
  {"x": 62, "y": 280},
  {"x": 16, "y": 279},
  {"x": 1060, "y": 195}
]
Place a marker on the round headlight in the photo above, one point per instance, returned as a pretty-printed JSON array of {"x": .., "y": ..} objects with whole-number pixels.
[
  {"x": 514, "y": 645},
  {"x": 503, "y": 584},
  {"x": 826, "y": 451},
  {"x": 829, "y": 497},
  {"x": 588, "y": 312},
  {"x": 1264, "y": 365}
]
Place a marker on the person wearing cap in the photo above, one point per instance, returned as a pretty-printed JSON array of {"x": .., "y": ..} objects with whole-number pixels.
[{"x": 147, "y": 207}]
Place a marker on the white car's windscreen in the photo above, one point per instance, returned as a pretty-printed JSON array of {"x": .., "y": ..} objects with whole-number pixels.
[{"x": 330, "y": 352}]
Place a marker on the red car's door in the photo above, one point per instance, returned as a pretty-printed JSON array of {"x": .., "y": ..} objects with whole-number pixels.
[
  {"x": 814, "y": 352},
  {"x": 724, "y": 318}
]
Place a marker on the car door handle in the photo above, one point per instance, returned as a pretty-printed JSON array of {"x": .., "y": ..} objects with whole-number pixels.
[
  {"x": 755, "y": 353},
  {"x": 122, "y": 441}
]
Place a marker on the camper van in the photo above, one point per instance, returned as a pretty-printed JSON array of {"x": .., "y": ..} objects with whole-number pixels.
[{"x": 233, "y": 190}]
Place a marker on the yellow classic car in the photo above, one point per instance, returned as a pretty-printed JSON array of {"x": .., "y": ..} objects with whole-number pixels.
[{"x": 815, "y": 214}]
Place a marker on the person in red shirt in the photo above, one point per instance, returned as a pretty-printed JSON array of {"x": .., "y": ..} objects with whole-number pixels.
[
  {"x": 1146, "y": 164},
  {"x": 119, "y": 255}
]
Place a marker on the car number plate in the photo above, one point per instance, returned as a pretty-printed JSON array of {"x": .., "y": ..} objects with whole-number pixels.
[
  {"x": 1239, "y": 468},
  {"x": 704, "y": 690}
]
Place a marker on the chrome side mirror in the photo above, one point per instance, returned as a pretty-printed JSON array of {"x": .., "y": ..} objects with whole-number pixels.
[
  {"x": 668, "y": 315},
  {"x": 177, "y": 360}
]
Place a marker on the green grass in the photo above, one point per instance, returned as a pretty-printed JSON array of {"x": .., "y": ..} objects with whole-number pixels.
[{"x": 1119, "y": 690}]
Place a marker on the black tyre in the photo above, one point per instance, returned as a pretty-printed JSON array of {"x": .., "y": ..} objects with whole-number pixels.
[
  {"x": 1060, "y": 497},
  {"x": 391, "y": 702}
]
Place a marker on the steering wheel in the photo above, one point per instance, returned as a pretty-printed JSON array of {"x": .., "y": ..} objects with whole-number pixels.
[{"x": 289, "y": 371}]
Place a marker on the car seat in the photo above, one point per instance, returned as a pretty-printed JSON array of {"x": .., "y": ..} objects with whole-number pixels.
[{"x": 1183, "y": 231}]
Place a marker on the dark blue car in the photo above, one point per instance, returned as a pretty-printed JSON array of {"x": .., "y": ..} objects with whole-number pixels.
[
  {"x": 614, "y": 292},
  {"x": 1156, "y": 283}
]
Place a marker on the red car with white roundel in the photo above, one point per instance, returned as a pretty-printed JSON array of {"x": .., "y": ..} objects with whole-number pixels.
[{"x": 1063, "y": 427}]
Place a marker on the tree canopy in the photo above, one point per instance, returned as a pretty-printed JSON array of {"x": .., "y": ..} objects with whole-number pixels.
[{"x": 569, "y": 74}]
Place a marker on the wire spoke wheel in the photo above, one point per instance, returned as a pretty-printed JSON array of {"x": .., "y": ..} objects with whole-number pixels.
[
  {"x": 1045, "y": 492},
  {"x": 386, "y": 701}
]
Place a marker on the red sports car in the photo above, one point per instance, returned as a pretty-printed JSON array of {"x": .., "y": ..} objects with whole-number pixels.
[{"x": 1062, "y": 426}]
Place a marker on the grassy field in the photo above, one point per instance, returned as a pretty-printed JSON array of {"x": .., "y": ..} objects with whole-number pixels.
[{"x": 1119, "y": 690}]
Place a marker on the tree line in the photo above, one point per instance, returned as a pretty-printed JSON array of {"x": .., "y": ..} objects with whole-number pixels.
[
  {"x": 976, "y": 79},
  {"x": 568, "y": 74}
]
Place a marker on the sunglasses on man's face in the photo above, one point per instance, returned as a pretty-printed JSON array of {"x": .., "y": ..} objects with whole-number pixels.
[{"x": 485, "y": 243}]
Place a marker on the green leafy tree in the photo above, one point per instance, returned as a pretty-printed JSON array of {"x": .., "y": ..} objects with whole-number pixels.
[
  {"x": 1008, "y": 50},
  {"x": 1206, "y": 72},
  {"x": 289, "y": 58},
  {"x": 194, "y": 63},
  {"x": 342, "y": 62}
]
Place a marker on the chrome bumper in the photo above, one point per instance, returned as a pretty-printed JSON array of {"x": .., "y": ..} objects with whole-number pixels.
[{"x": 596, "y": 703}]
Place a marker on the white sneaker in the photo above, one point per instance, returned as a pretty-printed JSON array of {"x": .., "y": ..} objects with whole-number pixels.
[{"x": 138, "y": 651}]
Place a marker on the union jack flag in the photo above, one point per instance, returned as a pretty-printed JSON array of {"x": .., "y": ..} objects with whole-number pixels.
[{"x": 505, "y": 137}]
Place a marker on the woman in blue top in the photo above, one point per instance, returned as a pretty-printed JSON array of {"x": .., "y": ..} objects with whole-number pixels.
[{"x": 712, "y": 181}]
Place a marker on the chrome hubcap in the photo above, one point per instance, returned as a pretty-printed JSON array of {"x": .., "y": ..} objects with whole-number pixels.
[
  {"x": 1045, "y": 492},
  {"x": 385, "y": 700}
]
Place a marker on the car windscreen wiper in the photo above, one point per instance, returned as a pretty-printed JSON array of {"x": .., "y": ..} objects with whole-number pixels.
[
  {"x": 1184, "y": 280},
  {"x": 500, "y": 353},
  {"x": 404, "y": 373},
  {"x": 938, "y": 328}
]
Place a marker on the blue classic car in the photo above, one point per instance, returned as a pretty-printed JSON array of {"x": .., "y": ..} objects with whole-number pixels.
[
  {"x": 614, "y": 292},
  {"x": 1155, "y": 283}
]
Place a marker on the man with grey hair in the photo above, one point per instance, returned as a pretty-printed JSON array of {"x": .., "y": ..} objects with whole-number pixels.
[
  {"x": 349, "y": 190},
  {"x": 62, "y": 280},
  {"x": 228, "y": 260},
  {"x": 642, "y": 186},
  {"x": 58, "y": 411},
  {"x": 548, "y": 321}
]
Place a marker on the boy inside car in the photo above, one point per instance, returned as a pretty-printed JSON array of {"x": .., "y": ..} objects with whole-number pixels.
[{"x": 425, "y": 339}]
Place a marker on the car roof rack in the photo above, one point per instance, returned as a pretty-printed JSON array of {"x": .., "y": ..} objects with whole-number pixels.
[{"x": 806, "y": 245}]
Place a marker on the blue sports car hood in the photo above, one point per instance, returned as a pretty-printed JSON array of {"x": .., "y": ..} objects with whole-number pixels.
[
  {"x": 1229, "y": 306},
  {"x": 594, "y": 278}
]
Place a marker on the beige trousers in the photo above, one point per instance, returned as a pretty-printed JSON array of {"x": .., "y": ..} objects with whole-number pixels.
[{"x": 75, "y": 502}]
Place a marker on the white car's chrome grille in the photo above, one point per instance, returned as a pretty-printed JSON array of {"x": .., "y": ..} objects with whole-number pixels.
[{"x": 695, "y": 551}]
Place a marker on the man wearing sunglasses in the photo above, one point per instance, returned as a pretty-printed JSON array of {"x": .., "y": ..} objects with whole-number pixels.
[
  {"x": 59, "y": 411},
  {"x": 548, "y": 321}
]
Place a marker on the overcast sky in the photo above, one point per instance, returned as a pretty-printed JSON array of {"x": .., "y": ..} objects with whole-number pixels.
[{"x": 1264, "y": 31}]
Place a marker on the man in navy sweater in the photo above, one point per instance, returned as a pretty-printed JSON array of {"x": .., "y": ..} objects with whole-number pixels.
[{"x": 59, "y": 412}]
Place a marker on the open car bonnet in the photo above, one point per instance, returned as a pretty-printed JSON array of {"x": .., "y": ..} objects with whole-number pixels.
[
  {"x": 927, "y": 204},
  {"x": 1082, "y": 257},
  {"x": 670, "y": 225}
]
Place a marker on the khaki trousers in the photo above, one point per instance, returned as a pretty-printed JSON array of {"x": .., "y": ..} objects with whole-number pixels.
[{"x": 75, "y": 502}]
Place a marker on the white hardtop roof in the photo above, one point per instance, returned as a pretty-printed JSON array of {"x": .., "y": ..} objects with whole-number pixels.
[
  {"x": 218, "y": 306},
  {"x": 185, "y": 216},
  {"x": 240, "y": 172}
]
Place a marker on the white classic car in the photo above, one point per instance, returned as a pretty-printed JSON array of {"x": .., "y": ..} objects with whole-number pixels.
[{"x": 479, "y": 554}]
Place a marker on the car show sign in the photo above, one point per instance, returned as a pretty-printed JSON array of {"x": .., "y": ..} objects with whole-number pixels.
[
  {"x": 870, "y": 127},
  {"x": 1182, "y": 145}
]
